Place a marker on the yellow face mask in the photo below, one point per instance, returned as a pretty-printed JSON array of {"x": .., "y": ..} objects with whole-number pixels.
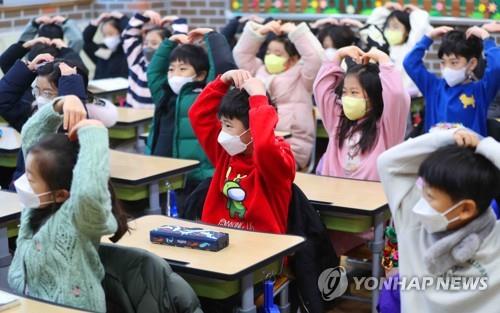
[
  {"x": 354, "y": 108},
  {"x": 274, "y": 64},
  {"x": 394, "y": 37}
]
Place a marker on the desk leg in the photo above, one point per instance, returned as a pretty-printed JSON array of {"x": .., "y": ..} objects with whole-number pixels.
[
  {"x": 247, "y": 297},
  {"x": 377, "y": 246},
  {"x": 5, "y": 257},
  {"x": 154, "y": 198}
]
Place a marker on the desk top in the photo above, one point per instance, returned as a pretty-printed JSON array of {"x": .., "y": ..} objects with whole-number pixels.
[
  {"x": 27, "y": 305},
  {"x": 10, "y": 208},
  {"x": 346, "y": 195},
  {"x": 131, "y": 115},
  {"x": 277, "y": 133},
  {"x": 247, "y": 251},
  {"x": 107, "y": 85},
  {"x": 10, "y": 142},
  {"x": 138, "y": 169}
]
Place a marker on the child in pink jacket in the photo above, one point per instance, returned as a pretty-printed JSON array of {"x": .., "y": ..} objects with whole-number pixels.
[
  {"x": 364, "y": 112},
  {"x": 292, "y": 61}
]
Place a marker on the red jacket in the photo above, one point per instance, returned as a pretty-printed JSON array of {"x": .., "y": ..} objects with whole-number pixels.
[{"x": 250, "y": 192}]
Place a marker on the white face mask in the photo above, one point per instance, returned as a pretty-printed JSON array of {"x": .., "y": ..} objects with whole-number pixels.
[
  {"x": 40, "y": 101},
  {"x": 112, "y": 42},
  {"x": 27, "y": 197},
  {"x": 232, "y": 144},
  {"x": 177, "y": 82},
  {"x": 454, "y": 77},
  {"x": 330, "y": 53},
  {"x": 432, "y": 220}
]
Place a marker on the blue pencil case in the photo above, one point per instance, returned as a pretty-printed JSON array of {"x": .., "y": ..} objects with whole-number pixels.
[{"x": 194, "y": 238}]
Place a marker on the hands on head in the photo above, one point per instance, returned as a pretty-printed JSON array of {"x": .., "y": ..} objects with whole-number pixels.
[
  {"x": 242, "y": 79},
  {"x": 361, "y": 57}
]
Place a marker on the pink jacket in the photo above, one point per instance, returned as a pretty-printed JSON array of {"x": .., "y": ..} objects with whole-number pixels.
[
  {"x": 290, "y": 90},
  {"x": 391, "y": 126}
]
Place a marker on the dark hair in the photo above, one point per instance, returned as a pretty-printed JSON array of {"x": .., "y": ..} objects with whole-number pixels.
[
  {"x": 162, "y": 32},
  {"x": 51, "y": 31},
  {"x": 56, "y": 158},
  {"x": 113, "y": 21},
  {"x": 462, "y": 174},
  {"x": 235, "y": 104},
  {"x": 455, "y": 42},
  {"x": 289, "y": 46},
  {"x": 341, "y": 36},
  {"x": 368, "y": 76},
  {"x": 193, "y": 55},
  {"x": 403, "y": 17},
  {"x": 52, "y": 72},
  {"x": 40, "y": 48}
]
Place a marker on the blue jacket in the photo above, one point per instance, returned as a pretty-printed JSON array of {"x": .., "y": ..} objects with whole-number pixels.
[
  {"x": 14, "y": 105},
  {"x": 465, "y": 103}
]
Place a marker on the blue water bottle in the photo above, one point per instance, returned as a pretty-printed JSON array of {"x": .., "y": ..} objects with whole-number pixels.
[{"x": 172, "y": 206}]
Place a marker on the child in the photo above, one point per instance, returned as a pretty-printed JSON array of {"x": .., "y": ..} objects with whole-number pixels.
[
  {"x": 254, "y": 171},
  {"x": 455, "y": 98},
  {"x": 292, "y": 61},
  {"x": 403, "y": 27},
  {"x": 55, "y": 27},
  {"x": 109, "y": 58},
  {"x": 54, "y": 79},
  {"x": 189, "y": 67},
  {"x": 140, "y": 45},
  {"x": 334, "y": 34},
  {"x": 364, "y": 112},
  {"x": 439, "y": 187},
  {"x": 67, "y": 208}
]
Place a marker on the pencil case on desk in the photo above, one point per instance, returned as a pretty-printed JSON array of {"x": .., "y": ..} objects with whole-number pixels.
[{"x": 195, "y": 238}]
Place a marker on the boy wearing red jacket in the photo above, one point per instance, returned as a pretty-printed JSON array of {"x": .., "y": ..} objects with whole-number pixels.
[{"x": 254, "y": 171}]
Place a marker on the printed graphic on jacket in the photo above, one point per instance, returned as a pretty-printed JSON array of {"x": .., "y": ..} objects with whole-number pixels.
[
  {"x": 235, "y": 195},
  {"x": 468, "y": 101}
]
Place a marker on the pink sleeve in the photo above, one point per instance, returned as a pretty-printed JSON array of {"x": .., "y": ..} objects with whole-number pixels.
[
  {"x": 245, "y": 51},
  {"x": 396, "y": 105},
  {"x": 311, "y": 53},
  {"x": 329, "y": 77}
]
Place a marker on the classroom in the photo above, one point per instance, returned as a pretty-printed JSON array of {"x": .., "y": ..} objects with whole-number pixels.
[{"x": 244, "y": 156}]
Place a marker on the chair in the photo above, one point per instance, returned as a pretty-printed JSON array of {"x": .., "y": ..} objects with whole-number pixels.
[{"x": 137, "y": 281}]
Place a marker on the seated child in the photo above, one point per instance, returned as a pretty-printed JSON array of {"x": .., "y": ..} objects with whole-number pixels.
[
  {"x": 67, "y": 207},
  {"x": 439, "y": 187},
  {"x": 334, "y": 34},
  {"x": 254, "y": 171},
  {"x": 364, "y": 112},
  {"x": 292, "y": 61},
  {"x": 456, "y": 97},
  {"x": 109, "y": 59}
]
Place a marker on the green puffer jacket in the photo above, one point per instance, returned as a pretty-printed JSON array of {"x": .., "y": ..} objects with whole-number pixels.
[
  {"x": 171, "y": 134},
  {"x": 137, "y": 281}
]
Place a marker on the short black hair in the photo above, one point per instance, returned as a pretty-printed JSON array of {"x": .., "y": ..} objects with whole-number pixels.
[
  {"x": 193, "y": 55},
  {"x": 53, "y": 73},
  {"x": 402, "y": 16},
  {"x": 289, "y": 46},
  {"x": 462, "y": 174},
  {"x": 162, "y": 32},
  {"x": 455, "y": 42},
  {"x": 235, "y": 104},
  {"x": 342, "y": 36},
  {"x": 52, "y": 31},
  {"x": 40, "y": 48},
  {"x": 113, "y": 21}
]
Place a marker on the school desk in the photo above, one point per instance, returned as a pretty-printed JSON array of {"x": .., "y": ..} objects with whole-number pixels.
[
  {"x": 130, "y": 123},
  {"x": 130, "y": 169},
  {"x": 10, "y": 143},
  {"x": 30, "y": 305},
  {"x": 10, "y": 210},
  {"x": 284, "y": 134},
  {"x": 108, "y": 86},
  {"x": 247, "y": 253},
  {"x": 351, "y": 206}
]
